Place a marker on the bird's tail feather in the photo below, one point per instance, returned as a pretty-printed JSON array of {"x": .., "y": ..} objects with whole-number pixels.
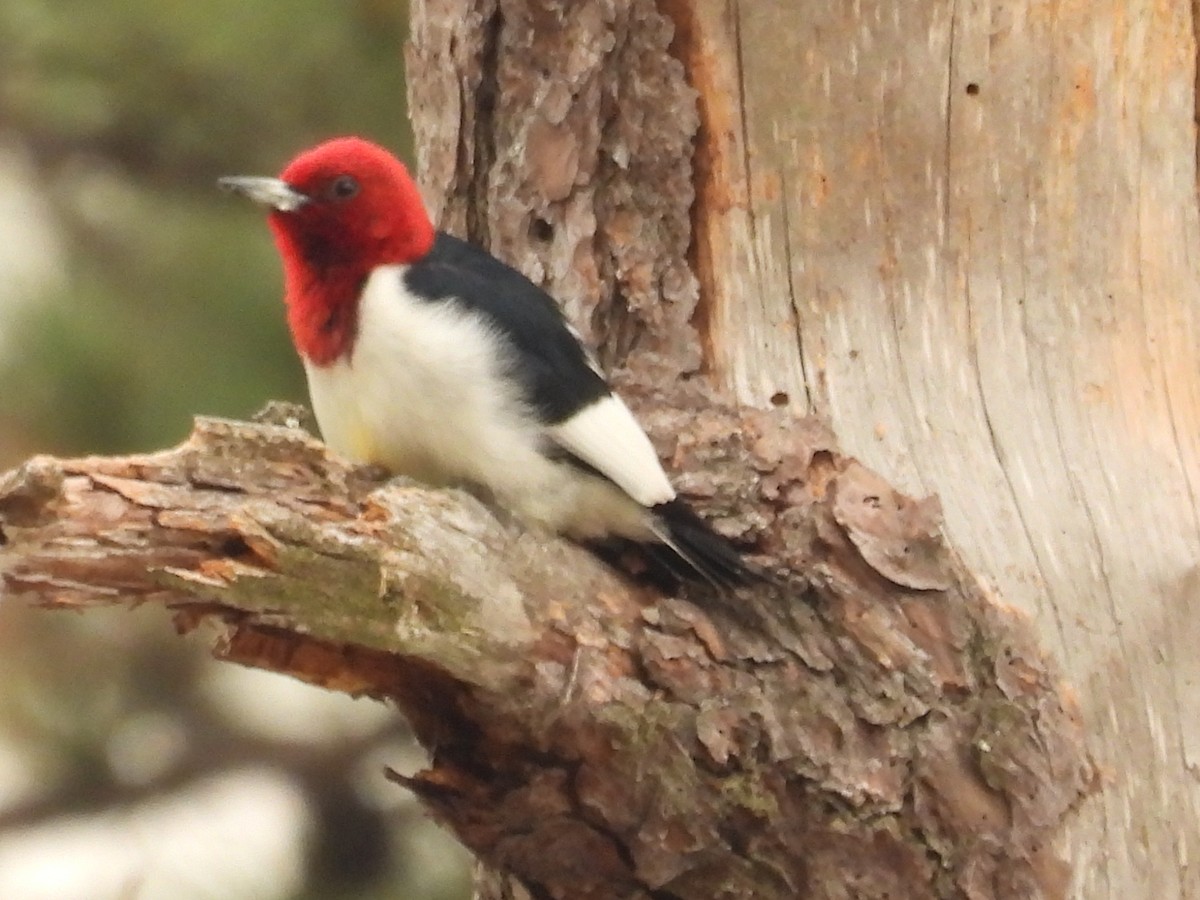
[{"x": 698, "y": 550}]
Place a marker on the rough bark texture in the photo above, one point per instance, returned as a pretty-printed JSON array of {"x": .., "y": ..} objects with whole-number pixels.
[
  {"x": 558, "y": 135},
  {"x": 964, "y": 233},
  {"x": 878, "y": 727}
]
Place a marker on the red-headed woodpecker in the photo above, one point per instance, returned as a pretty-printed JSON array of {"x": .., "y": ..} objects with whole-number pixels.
[{"x": 430, "y": 357}]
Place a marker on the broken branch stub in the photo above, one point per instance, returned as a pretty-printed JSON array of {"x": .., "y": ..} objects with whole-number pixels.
[{"x": 874, "y": 725}]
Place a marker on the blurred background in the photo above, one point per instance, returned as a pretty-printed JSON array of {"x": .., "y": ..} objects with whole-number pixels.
[{"x": 134, "y": 295}]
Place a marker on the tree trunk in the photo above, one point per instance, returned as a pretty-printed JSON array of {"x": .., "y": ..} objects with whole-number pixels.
[{"x": 963, "y": 233}]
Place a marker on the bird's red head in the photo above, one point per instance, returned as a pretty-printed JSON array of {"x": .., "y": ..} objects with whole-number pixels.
[{"x": 354, "y": 207}]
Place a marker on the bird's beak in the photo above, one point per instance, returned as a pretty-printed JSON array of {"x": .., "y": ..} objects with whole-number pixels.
[{"x": 268, "y": 191}]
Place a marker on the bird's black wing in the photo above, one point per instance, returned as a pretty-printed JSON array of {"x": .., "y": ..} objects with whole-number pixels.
[
  {"x": 582, "y": 416},
  {"x": 554, "y": 367}
]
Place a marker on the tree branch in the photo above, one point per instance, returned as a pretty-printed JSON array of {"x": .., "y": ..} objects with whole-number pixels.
[{"x": 878, "y": 727}]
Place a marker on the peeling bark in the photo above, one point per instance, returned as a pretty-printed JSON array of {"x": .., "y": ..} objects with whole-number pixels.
[
  {"x": 875, "y": 726},
  {"x": 558, "y": 135}
]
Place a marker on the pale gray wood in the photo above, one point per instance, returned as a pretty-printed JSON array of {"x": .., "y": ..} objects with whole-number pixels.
[{"x": 969, "y": 237}]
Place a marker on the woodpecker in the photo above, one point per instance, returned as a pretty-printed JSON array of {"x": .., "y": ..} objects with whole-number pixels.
[{"x": 428, "y": 356}]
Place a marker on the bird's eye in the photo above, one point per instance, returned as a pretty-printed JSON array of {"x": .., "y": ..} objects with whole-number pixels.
[{"x": 343, "y": 188}]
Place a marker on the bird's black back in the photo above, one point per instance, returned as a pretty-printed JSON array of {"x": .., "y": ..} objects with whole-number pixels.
[
  {"x": 559, "y": 381},
  {"x": 553, "y": 365}
]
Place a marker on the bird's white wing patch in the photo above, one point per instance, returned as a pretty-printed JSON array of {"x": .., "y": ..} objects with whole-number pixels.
[{"x": 607, "y": 437}]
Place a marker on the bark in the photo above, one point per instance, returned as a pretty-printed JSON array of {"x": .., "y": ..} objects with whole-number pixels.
[{"x": 875, "y": 726}]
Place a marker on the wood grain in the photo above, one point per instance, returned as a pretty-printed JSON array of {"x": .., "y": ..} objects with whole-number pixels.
[{"x": 966, "y": 233}]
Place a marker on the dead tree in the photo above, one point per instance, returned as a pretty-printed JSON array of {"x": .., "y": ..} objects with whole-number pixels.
[
  {"x": 963, "y": 233},
  {"x": 954, "y": 237}
]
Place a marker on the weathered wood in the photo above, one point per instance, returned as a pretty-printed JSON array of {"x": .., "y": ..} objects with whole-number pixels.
[
  {"x": 981, "y": 220},
  {"x": 877, "y": 727}
]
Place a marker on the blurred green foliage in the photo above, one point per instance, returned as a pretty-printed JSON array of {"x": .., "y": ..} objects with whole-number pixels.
[
  {"x": 132, "y": 108},
  {"x": 170, "y": 306}
]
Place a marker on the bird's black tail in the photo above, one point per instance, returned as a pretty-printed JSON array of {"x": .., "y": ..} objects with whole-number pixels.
[{"x": 692, "y": 551}]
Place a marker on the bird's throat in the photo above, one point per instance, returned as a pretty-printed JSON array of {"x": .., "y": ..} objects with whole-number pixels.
[{"x": 322, "y": 313}]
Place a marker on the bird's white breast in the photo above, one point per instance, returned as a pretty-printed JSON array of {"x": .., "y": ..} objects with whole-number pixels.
[
  {"x": 426, "y": 392},
  {"x": 421, "y": 392}
]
